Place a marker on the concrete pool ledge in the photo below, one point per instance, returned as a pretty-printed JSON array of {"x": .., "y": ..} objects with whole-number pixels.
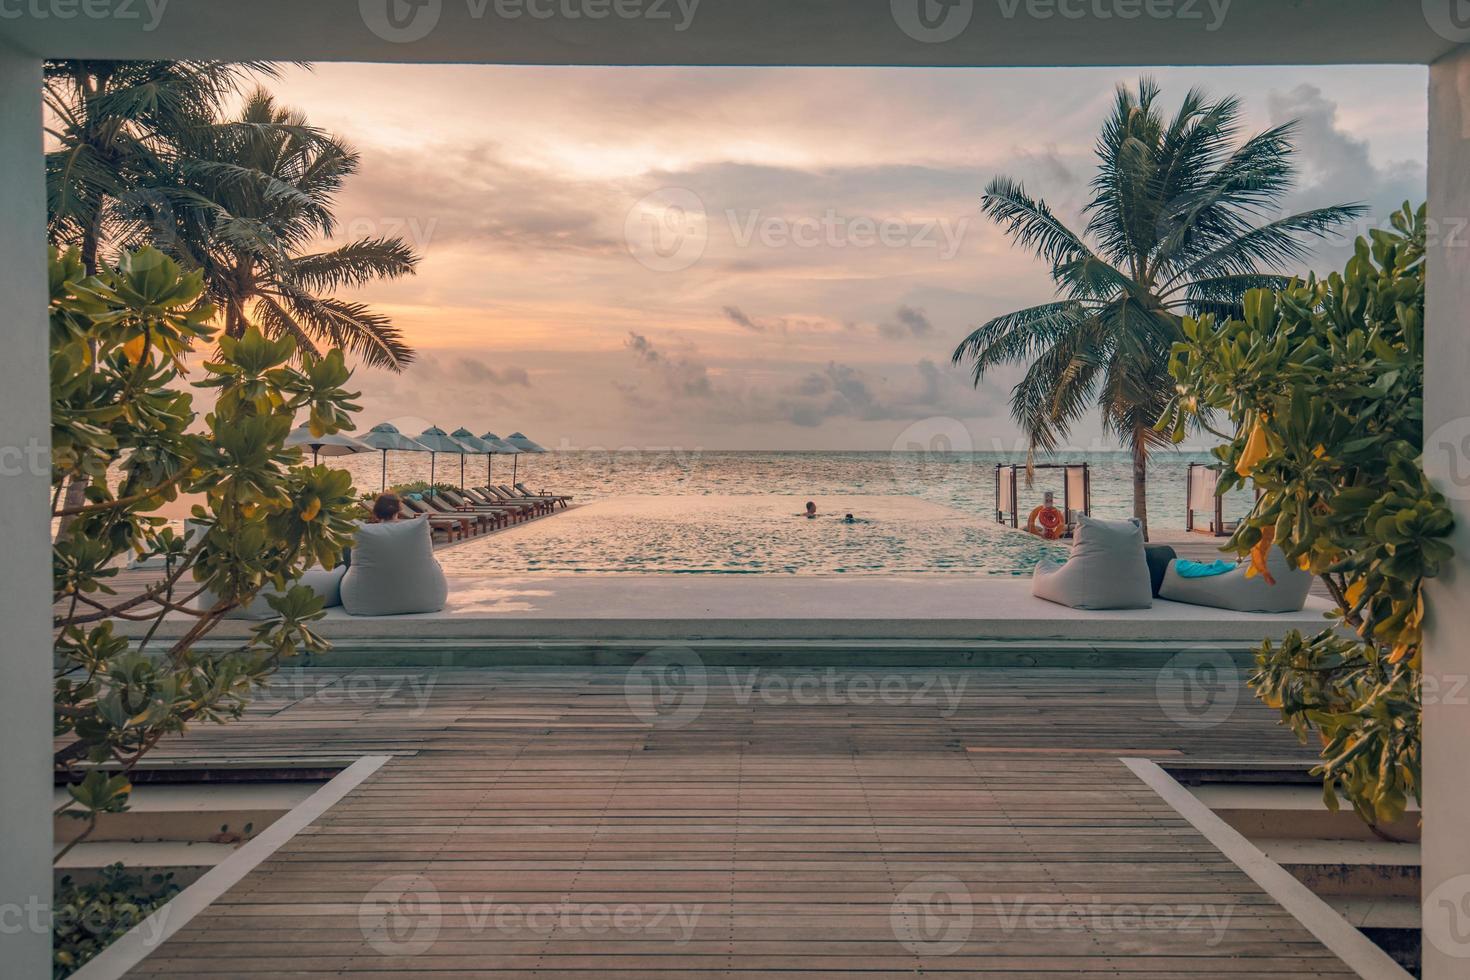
[{"x": 888, "y": 610}]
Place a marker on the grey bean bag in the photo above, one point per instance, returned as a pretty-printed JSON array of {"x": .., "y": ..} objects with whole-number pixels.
[
  {"x": 1107, "y": 569},
  {"x": 394, "y": 571},
  {"x": 1234, "y": 591}
]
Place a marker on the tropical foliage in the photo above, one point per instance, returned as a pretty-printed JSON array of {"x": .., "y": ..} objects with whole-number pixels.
[
  {"x": 124, "y": 427},
  {"x": 270, "y": 182},
  {"x": 117, "y": 126},
  {"x": 143, "y": 158},
  {"x": 90, "y": 915},
  {"x": 1173, "y": 229},
  {"x": 1323, "y": 382}
]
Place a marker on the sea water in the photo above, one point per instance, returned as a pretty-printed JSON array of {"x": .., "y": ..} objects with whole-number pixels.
[{"x": 649, "y": 517}]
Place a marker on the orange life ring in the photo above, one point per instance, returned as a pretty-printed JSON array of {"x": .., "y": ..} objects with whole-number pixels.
[{"x": 1052, "y": 522}]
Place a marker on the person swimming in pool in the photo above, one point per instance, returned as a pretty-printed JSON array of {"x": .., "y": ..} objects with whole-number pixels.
[
  {"x": 811, "y": 509},
  {"x": 849, "y": 519}
]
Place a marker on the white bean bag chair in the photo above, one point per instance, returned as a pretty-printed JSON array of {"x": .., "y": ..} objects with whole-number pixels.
[
  {"x": 1233, "y": 590},
  {"x": 394, "y": 571},
  {"x": 1107, "y": 569}
]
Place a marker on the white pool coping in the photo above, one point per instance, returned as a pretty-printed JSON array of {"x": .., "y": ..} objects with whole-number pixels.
[
  {"x": 786, "y": 607},
  {"x": 1350, "y": 945},
  {"x": 135, "y": 945}
]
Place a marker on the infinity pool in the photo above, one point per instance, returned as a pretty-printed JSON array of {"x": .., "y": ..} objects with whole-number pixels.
[{"x": 754, "y": 535}]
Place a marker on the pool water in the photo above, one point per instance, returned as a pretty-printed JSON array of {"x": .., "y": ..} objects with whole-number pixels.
[{"x": 768, "y": 534}]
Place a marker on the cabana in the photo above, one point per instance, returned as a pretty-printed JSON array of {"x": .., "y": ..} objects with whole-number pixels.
[{"x": 1076, "y": 491}]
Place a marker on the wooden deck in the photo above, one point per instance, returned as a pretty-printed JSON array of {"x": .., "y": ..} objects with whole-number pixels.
[{"x": 542, "y": 822}]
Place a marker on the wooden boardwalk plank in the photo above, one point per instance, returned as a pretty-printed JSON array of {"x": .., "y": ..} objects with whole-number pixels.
[{"x": 536, "y": 822}]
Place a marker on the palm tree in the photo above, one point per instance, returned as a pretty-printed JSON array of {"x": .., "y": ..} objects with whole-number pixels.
[
  {"x": 263, "y": 186},
  {"x": 1172, "y": 230},
  {"x": 116, "y": 127}
]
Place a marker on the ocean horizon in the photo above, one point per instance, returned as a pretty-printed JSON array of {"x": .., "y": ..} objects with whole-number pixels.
[{"x": 962, "y": 480}]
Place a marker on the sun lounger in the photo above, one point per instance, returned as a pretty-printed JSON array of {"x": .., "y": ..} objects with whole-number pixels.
[
  {"x": 526, "y": 508},
  {"x": 470, "y": 523},
  {"x": 512, "y": 512},
  {"x": 492, "y": 520},
  {"x": 502, "y": 495},
  {"x": 560, "y": 498},
  {"x": 521, "y": 494}
]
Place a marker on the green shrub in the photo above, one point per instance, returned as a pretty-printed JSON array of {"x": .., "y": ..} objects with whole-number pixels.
[
  {"x": 125, "y": 431},
  {"x": 90, "y": 917},
  {"x": 1323, "y": 383}
]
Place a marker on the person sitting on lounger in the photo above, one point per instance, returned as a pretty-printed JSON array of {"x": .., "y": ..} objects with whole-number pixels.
[
  {"x": 387, "y": 508},
  {"x": 811, "y": 509},
  {"x": 1047, "y": 521}
]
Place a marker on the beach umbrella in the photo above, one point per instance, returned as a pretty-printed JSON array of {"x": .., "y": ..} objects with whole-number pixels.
[
  {"x": 502, "y": 448},
  {"x": 339, "y": 444},
  {"x": 385, "y": 437},
  {"x": 524, "y": 445},
  {"x": 437, "y": 441},
  {"x": 475, "y": 443}
]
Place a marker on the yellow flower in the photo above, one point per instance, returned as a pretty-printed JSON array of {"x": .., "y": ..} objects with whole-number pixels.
[
  {"x": 1256, "y": 449},
  {"x": 1259, "y": 554}
]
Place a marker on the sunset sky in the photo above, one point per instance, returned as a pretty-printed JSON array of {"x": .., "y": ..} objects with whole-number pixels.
[{"x": 830, "y": 257}]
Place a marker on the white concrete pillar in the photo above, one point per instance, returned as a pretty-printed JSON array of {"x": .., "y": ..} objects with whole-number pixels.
[
  {"x": 25, "y": 546},
  {"x": 1447, "y": 458}
]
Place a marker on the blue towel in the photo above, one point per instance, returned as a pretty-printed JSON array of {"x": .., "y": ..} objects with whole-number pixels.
[{"x": 1202, "y": 569}]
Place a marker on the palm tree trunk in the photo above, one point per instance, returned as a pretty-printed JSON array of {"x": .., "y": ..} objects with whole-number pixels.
[{"x": 1140, "y": 479}]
